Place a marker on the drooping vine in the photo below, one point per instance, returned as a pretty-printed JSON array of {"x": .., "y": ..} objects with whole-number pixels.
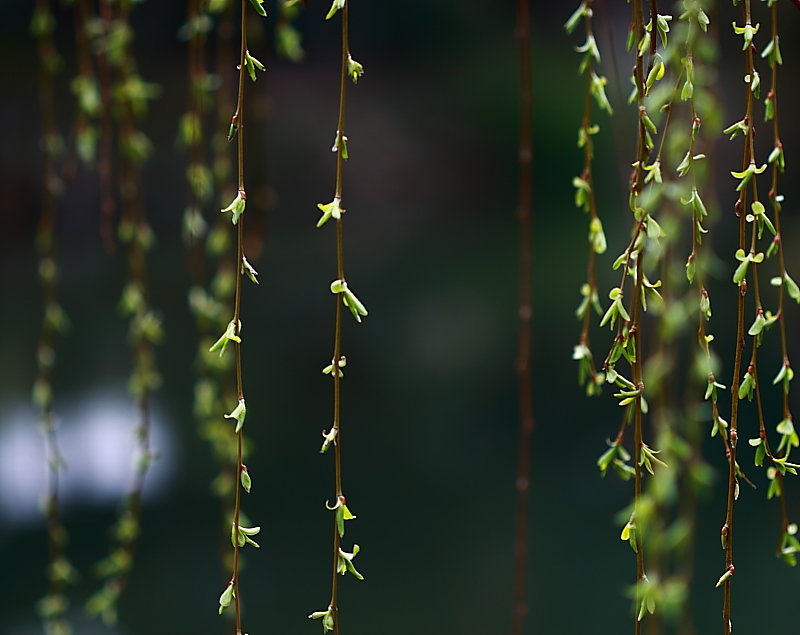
[
  {"x": 740, "y": 389},
  {"x": 342, "y": 560},
  {"x": 788, "y": 544},
  {"x": 240, "y": 534},
  {"x": 52, "y": 607},
  {"x": 130, "y": 94},
  {"x": 668, "y": 142},
  {"x": 214, "y": 384},
  {"x": 209, "y": 251},
  {"x": 676, "y": 414},
  {"x": 629, "y": 300},
  {"x": 660, "y": 405},
  {"x": 585, "y": 195},
  {"x": 85, "y": 87},
  {"x": 748, "y": 386}
]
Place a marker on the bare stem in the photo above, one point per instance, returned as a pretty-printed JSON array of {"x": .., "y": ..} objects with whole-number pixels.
[{"x": 524, "y": 316}]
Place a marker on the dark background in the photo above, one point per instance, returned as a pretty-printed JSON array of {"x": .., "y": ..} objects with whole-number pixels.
[{"x": 429, "y": 410}]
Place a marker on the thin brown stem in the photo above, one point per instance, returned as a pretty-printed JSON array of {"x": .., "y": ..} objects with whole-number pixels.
[
  {"x": 145, "y": 329},
  {"x": 741, "y": 206},
  {"x": 236, "y": 512},
  {"x": 223, "y": 438},
  {"x": 239, "y": 119},
  {"x": 524, "y": 316},
  {"x": 637, "y": 430},
  {"x": 341, "y": 141}
]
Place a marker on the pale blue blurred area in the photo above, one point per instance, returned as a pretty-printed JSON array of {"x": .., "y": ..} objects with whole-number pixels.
[{"x": 96, "y": 441}]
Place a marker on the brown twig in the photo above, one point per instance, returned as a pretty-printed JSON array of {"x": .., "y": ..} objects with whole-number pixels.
[{"x": 524, "y": 316}]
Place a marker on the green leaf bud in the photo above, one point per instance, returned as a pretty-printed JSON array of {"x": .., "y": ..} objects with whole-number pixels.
[
  {"x": 327, "y": 619},
  {"x": 249, "y": 270},
  {"x": 332, "y": 209},
  {"x": 238, "y": 413},
  {"x": 337, "y": 4},
  {"x": 257, "y": 5},
  {"x": 226, "y": 597},
  {"x": 354, "y": 69},
  {"x": 237, "y": 206},
  {"x": 247, "y": 483}
]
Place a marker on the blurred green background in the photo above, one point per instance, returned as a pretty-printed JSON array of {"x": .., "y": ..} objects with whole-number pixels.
[{"x": 429, "y": 405}]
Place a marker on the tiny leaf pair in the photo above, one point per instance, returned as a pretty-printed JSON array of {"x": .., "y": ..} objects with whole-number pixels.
[{"x": 349, "y": 298}]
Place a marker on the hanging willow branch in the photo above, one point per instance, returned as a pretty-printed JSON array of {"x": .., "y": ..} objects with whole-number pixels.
[
  {"x": 60, "y": 573},
  {"x": 240, "y": 535},
  {"x": 119, "y": 77},
  {"x": 342, "y": 560}
]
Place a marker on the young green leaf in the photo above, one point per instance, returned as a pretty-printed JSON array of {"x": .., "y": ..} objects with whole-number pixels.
[
  {"x": 724, "y": 577},
  {"x": 326, "y": 617},
  {"x": 342, "y": 513},
  {"x": 247, "y": 483},
  {"x": 747, "y": 31},
  {"x": 747, "y": 387},
  {"x": 758, "y": 324},
  {"x": 329, "y": 439},
  {"x": 332, "y": 209},
  {"x": 597, "y": 237},
  {"x": 336, "y": 6},
  {"x": 328, "y": 370},
  {"x": 249, "y": 270},
  {"x": 629, "y": 533},
  {"x": 239, "y": 414},
  {"x": 242, "y": 536},
  {"x": 345, "y": 562},
  {"x": 574, "y": 20},
  {"x": 236, "y": 207},
  {"x": 349, "y": 299},
  {"x": 251, "y": 63},
  {"x": 228, "y": 336},
  {"x": 257, "y": 4},
  {"x": 354, "y": 70},
  {"x": 226, "y": 597}
]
